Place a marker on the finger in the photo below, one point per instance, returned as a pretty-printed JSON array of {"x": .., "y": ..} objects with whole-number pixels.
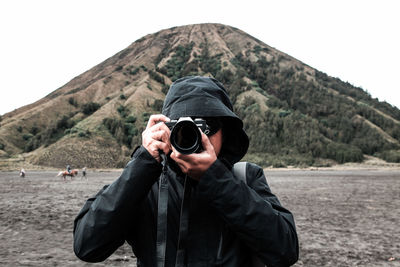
[
  {"x": 166, "y": 148},
  {"x": 156, "y": 118},
  {"x": 162, "y": 135},
  {"x": 181, "y": 163},
  {"x": 180, "y": 156},
  {"x": 177, "y": 157},
  {"x": 160, "y": 126},
  {"x": 157, "y": 146},
  {"x": 156, "y": 140},
  {"x": 175, "y": 154},
  {"x": 206, "y": 142}
]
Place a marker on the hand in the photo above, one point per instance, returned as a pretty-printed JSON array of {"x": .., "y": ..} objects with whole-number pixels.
[
  {"x": 156, "y": 136},
  {"x": 196, "y": 164}
]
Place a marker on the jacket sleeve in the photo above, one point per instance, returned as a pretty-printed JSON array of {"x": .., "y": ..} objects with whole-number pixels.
[
  {"x": 99, "y": 227},
  {"x": 252, "y": 212}
]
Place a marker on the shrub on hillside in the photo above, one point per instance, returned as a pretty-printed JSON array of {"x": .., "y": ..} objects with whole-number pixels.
[
  {"x": 131, "y": 119},
  {"x": 390, "y": 156},
  {"x": 26, "y": 137},
  {"x": 154, "y": 75},
  {"x": 165, "y": 89},
  {"x": 123, "y": 129},
  {"x": 84, "y": 134},
  {"x": 50, "y": 135},
  {"x": 89, "y": 108},
  {"x": 157, "y": 105},
  {"x": 73, "y": 101},
  {"x": 123, "y": 111},
  {"x": 34, "y": 130},
  {"x": 175, "y": 66},
  {"x": 344, "y": 153}
]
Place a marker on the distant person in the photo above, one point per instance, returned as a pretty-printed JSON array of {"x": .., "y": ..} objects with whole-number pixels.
[
  {"x": 216, "y": 217},
  {"x": 22, "y": 173},
  {"x": 68, "y": 168},
  {"x": 84, "y": 172}
]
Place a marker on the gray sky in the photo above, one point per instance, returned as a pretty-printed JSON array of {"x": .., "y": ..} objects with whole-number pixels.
[{"x": 46, "y": 43}]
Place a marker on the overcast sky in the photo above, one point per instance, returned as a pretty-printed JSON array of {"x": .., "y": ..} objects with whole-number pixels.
[{"x": 44, "y": 44}]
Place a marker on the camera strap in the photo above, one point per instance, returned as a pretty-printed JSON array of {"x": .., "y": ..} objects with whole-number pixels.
[
  {"x": 162, "y": 219},
  {"x": 161, "y": 242}
]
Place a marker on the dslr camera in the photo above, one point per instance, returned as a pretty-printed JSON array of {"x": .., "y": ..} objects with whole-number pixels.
[{"x": 185, "y": 134}]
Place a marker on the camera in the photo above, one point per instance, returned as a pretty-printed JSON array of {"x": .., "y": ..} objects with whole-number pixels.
[{"x": 185, "y": 134}]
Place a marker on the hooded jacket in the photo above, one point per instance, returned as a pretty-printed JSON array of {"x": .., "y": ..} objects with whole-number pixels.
[{"x": 229, "y": 219}]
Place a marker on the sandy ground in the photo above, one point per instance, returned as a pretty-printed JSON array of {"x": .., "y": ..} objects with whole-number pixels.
[{"x": 344, "y": 217}]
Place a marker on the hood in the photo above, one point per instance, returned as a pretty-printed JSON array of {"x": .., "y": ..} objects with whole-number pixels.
[{"x": 196, "y": 96}]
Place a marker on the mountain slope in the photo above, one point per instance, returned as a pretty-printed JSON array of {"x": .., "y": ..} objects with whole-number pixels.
[{"x": 294, "y": 114}]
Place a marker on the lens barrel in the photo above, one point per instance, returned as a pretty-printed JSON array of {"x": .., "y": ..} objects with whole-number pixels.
[{"x": 185, "y": 136}]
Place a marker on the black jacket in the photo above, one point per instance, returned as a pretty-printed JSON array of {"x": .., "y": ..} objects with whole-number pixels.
[{"x": 247, "y": 217}]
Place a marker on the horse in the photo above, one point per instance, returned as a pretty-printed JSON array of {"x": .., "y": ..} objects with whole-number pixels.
[{"x": 64, "y": 174}]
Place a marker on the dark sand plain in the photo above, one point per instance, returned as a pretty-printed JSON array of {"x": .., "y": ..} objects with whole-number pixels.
[{"x": 344, "y": 217}]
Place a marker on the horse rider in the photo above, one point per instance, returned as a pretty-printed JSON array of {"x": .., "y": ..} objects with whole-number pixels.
[{"x": 68, "y": 168}]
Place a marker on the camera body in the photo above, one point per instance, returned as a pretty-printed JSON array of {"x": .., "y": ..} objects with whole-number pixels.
[{"x": 185, "y": 134}]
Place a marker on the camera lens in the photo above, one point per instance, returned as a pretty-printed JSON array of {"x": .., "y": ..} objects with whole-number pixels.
[{"x": 186, "y": 137}]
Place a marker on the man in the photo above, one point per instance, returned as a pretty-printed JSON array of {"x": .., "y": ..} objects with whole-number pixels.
[
  {"x": 84, "y": 172},
  {"x": 68, "y": 168},
  {"x": 214, "y": 218}
]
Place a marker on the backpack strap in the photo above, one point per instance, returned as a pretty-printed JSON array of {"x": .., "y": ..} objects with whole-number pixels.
[{"x": 240, "y": 171}]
